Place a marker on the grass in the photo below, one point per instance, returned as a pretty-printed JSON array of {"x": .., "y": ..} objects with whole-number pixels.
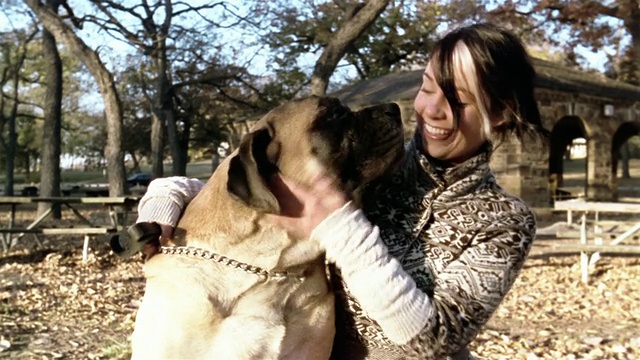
[
  {"x": 198, "y": 169},
  {"x": 574, "y": 175},
  {"x": 117, "y": 350}
]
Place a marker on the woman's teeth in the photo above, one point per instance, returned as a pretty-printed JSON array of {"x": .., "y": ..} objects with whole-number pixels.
[{"x": 437, "y": 131}]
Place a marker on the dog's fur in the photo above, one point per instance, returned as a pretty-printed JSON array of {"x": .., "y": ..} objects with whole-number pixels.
[{"x": 200, "y": 309}]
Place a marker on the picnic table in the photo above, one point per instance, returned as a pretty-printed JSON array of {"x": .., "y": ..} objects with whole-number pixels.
[
  {"x": 590, "y": 251},
  {"x": 116, "y": 207}
]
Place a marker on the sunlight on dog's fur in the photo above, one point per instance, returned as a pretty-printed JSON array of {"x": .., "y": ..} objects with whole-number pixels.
[{"x": 200, "y": 309}]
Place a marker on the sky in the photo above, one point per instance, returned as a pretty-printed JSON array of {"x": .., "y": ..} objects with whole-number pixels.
[
  {"x": 118, "y": 49},
  {"x": 113, "y": 52}
]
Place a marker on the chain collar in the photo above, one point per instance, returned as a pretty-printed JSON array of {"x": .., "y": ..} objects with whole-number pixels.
[{"x": 248, "y": 268}]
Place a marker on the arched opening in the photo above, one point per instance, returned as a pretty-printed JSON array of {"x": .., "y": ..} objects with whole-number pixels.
[
  {"x": 568, "y": 159},
  {"x": 625, "y": 164}
]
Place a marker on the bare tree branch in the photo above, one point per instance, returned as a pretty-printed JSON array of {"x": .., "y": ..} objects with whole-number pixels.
[{"x": 341, "y": 40}]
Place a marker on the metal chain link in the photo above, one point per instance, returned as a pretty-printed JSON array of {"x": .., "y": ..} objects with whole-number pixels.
[{"x": 209, "y": 255}]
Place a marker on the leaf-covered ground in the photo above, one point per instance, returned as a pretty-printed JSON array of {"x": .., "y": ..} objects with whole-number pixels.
[{"x": 52, "y": 305}]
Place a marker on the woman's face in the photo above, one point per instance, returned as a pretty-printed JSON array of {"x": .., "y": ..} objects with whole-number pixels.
[{"x": 435, "y": 121}]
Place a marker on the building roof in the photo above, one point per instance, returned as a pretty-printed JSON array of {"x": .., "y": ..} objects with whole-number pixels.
[
  {"x": 557, "y": 77},
  {"x": 404, "y": 85}
]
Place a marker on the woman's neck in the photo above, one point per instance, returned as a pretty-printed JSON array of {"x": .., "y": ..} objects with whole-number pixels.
[{"x": 443, "y": 164}]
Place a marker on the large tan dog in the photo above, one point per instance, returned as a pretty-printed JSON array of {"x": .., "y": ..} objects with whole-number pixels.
[{"x": 270, "y": 298}]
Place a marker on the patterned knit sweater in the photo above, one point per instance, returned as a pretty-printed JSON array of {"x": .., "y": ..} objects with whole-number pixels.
[
  {"x": 446, "y": 247},
  {"x": 455, "y": 232}
]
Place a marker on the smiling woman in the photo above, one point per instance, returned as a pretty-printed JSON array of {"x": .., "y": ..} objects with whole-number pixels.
[
  {"x": 481, "y": 107},
  {"x": 446, "y": 137}
]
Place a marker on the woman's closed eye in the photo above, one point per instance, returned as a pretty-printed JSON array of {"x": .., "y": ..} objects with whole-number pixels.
[
  {"x": 464, "y": 99},
  {"x": 427, "y": 91}
]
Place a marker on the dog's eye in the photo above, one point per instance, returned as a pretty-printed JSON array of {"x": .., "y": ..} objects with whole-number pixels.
[{"x": 315, "y": 151}]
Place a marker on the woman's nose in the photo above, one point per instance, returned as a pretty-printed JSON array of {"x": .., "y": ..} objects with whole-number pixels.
[{"x": 435, "y": 106}]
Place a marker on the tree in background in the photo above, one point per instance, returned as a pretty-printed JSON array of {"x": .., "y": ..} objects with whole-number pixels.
[
  {"x": 357, "y": 20},
  {"x": 86, "y": 138},
  {"x": 32, "y": 111},
  {"x": 14, "y": 47},
  {"x": 624, "y": 67},
  {"x": 137, "y": 112},
  {"x": 112, "y": 107},
  {"x": 163, "y": 29},
  {"x": 592, "y": 24},
  {"x": 52, "y": 110},
  {"x": 370, "y": 44}
]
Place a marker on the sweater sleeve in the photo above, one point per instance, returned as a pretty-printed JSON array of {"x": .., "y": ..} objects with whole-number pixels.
[
  {"x": 466, "y": 292},
  {"x": 166, "y": 199},
  {"x": 386, "y": 292}
]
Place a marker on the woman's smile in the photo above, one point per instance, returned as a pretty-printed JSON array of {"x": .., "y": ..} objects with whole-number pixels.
[{"x": 436, "y": 133}]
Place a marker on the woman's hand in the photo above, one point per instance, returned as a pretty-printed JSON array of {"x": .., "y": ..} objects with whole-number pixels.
[
  {"x": 303, "y": 208},
  {"x": 152, "y": 247}
]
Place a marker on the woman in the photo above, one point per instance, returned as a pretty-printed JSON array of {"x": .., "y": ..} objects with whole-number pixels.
[{"x": 448, "y": 241}]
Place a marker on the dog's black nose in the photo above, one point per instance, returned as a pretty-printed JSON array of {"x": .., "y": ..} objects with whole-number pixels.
[{"x": 391, "y": 109}]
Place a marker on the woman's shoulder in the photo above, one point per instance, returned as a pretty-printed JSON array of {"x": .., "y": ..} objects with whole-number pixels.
[
  {"x": 503, "y": 209},
  {"x": 492, "y": 205}
]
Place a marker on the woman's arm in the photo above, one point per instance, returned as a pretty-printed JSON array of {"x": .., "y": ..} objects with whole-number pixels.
[
  {"x": 166, "y": 198},
  {"x": 466, "y": 293},
  {"x": 375, "y": 278},
  {"x": 163, "y": 203},
  {"x": 388, "y": 294}
]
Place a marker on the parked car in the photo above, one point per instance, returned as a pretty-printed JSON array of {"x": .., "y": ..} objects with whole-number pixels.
[
  {"x": 71, "y": 190},
  {"x": 139, "y": 179},
  {"x": 29, "y": 191}
]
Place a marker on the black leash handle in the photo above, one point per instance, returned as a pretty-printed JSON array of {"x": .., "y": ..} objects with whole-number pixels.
[{"x": 133, "y": 240}]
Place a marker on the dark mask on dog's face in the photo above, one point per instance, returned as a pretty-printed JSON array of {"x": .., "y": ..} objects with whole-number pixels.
[
  {"x": 354, "y": 147},
  {"x": 360, "y": 147}
]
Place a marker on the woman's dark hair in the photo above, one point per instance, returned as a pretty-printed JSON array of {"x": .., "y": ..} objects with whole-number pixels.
[{"x": 504, "y": 72}]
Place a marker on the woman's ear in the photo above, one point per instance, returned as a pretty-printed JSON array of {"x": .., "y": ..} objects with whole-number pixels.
[
  {"x": 498, "y": 122},
  {"x": 500, "y": 119}
]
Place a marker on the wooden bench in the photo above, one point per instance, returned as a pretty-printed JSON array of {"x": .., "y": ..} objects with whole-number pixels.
[
  {"x": 590, "y": 253},
  {"x": 87, "y": 232},
  {"x": 116, "y": 209},
  {"x": 592, "y": 235},
  {"x": 593, "y": 248}
]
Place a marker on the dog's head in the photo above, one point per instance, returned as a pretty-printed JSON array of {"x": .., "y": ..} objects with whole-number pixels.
[{"x": 354, "y": 147}]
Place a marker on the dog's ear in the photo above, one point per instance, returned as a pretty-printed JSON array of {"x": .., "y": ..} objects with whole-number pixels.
[{"x": 249, "y": 171}]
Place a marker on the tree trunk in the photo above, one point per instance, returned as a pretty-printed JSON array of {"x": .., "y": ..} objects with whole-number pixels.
[
  {"x": 157, "y": 146},
  {"x": 11, "y": 145},
  {"x": 12, "y": 141},
  {"x": 112, "y": 106},
  {"x": 183, "y": 146},
  {"x": 635, "y": 46},
  {"x": 631, "y": 19},
  {"x": 50, "y": 168},
  {"x": 340, "y": 42},
  {"x": 136, "y": 162},
  {"x": 165, "y": 111}
]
